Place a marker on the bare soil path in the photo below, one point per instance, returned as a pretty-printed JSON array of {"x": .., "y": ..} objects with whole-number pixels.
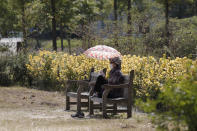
[{"x": 23, "y": 109}]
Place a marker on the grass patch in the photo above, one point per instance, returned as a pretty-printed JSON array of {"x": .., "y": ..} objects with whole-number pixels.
[{"x": 47, "y": 44}]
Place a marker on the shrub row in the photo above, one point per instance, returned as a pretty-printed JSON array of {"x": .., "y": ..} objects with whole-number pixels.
[{"x": 150, "y": 73}]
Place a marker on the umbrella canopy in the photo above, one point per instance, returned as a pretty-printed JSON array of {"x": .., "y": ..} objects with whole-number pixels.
[{"x": 102, "y": 52}]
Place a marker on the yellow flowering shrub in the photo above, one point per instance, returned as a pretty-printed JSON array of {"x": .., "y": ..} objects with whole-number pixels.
[
  {"x": 39, "y": 65},
  {"x": 150, "y": 73}
]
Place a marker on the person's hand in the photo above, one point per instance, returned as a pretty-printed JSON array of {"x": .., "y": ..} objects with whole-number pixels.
[{"x": 102, "y": 73}]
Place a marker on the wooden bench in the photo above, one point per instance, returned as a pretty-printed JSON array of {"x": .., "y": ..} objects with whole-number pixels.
[
  {"x": 105, "y": 101},
  {"x": 82, "y": 91}
]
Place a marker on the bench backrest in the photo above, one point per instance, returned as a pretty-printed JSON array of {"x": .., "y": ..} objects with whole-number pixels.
[
  {"x": 125, "y": 92},
  {"x": 128, "y": 79},
  {"x": 94, "y": 75}
]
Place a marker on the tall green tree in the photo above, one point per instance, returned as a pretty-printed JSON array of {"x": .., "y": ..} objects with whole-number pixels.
[
  {"x": 7, "y": 18},
  {"x": 167, "y": 4},
  {"x": 50, "y": 8},
  {"x": 183, "y": 9},
  {"x": 53, "y": 14},
  {"x": 115, "y": 20},
  {"x": 19, "y": 7},
  {"x": 195, "y": 7},
  {"x": 70, "y": 15},
  {"x": 87, "y": 12},
  {"x": 37, "y": 20},
  {"x": 115, "y": 10},
  {"x": 129, "y": 16},
  {"x": 66, "y": 12}
]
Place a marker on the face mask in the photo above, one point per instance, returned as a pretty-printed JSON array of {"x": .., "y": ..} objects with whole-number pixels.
[{"x": 111, "y": 66}]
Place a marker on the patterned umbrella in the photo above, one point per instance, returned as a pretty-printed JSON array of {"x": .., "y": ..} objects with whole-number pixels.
[{"x": 102, "y": 52}]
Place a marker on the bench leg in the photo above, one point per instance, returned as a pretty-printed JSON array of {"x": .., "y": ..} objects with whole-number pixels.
[
  {"x": 129, "y": 110},
  {"x": 78, "y": 104},
  {"x": 104, "y": 110},
  {"x": 115, "y": 109},
  {"x": 100, "y": 107},
  {"x": 88, "y": 104},
  {"x": 67, "y": 103},
  {"x": 91, "y": 110}
]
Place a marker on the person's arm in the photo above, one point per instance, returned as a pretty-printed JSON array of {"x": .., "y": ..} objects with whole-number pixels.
[
  {"x": 122, "y": 79},
  {"x": 92, "y": 83},
  {"x": 117, "y": 78}
]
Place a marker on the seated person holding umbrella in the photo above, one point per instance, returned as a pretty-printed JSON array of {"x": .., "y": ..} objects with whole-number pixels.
[{"x": 115, "y": 78}]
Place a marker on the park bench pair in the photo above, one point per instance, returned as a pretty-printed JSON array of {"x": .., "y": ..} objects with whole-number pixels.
[{"x": 105, "y": 104}]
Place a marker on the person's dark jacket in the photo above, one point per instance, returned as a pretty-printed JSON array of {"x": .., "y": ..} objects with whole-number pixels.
[{"x": 116, "y": 78}]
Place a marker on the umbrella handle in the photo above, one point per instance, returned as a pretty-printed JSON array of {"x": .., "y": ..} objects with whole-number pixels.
[{"x": 105, "y": 70}]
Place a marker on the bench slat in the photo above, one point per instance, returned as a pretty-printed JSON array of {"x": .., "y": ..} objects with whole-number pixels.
[
  {"x": 110, "y": 100},
  {"x": 117, "y": 111},
  {"x": 97, "y": 99},
  {"x": 74, "y": 94}
]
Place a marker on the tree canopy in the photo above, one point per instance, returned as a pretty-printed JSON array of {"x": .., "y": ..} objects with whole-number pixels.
[{"x": 92, "y": 22}]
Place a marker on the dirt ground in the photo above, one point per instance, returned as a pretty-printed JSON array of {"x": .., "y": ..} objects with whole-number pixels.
[{"x": 23, "y": 109}]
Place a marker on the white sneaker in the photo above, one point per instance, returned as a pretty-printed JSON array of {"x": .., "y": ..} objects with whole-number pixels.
[{"x": 95, "y": 95}]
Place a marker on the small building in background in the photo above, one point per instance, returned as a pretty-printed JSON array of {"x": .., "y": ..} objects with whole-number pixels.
[{"x": 10, "y": 45}]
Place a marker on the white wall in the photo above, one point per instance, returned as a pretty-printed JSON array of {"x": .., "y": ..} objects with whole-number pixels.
[{"x": 11, "y": 43}]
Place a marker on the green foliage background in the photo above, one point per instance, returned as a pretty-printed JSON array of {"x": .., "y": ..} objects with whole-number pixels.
[{"x": 177, "y": 103}]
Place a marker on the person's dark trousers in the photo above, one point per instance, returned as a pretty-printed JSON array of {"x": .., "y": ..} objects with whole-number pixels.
[{"x": 99, "y": 82}]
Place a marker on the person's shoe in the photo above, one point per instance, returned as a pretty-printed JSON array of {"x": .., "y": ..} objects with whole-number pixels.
[
  {"x": 75, "y": 115},
  {"x": 79, "y": 115},
  {"x": 95, "y": 95}
]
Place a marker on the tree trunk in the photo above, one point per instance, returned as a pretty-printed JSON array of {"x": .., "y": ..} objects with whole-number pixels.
[
  {"x": 181, "y": 9},
  {"x": 129, "y": 17},
  {"x": 37, "y": 43},
  {"x": 83, "y": 34},
  {"x": 53, "y": 25},
  {"x": 115, "y": 11},
  {"x": 196, "y": 7},
  {"x": 115, "y": 23},
  {"x": 61, "y": 36},
  {"x": 167, "y": 34},
  {"x": 167, "y": 22},
  {"x": 89, "y": 42},
  {"x": 24, "y": 26},
  {"x": 84, "y": 42},
  {"x": 69, "y": 44}
]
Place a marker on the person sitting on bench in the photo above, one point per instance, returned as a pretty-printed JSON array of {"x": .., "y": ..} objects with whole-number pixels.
[{"x": 115, "y": 78}]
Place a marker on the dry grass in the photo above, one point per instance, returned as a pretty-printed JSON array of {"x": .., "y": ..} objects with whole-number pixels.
[{"x": 23, "y": 109}]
